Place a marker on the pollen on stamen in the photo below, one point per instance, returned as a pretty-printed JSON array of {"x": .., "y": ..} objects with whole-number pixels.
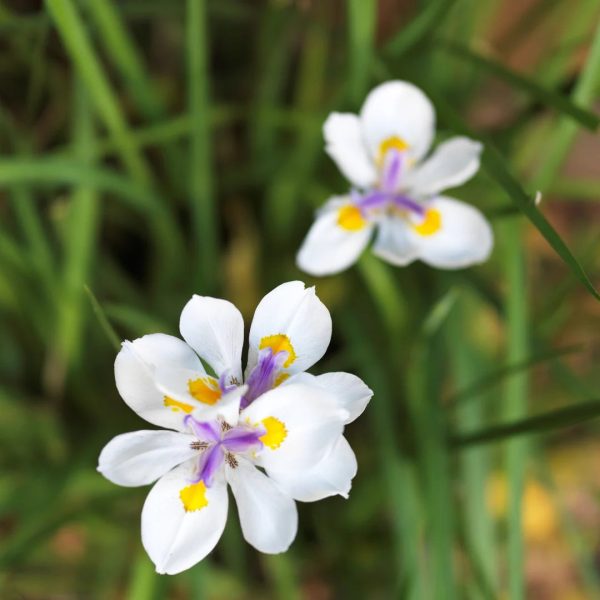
[
  {"x": 231, "y": 460},
  {"x": 198, "y": 445}
]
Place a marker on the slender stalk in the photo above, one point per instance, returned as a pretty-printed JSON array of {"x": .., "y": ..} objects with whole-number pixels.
[
  {"x": 398, "y": 472},
  {"x": 474, "y": 464},
  {"x": 515, "y": 399},
  {"x": 201, "y": 191},
  {"x": 428, "y": 419}
]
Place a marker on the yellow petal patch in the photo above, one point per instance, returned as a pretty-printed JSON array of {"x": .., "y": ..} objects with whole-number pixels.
[
  {"x": 279, "y": 343},
  {"x": 391, "y": 143},
  {"x": 205, "y": 390},
  {"x": 177, "y": 406},
  {"x": 276, "y": 433},
  {"x": 350, "y": 218},
  {"x": 431, "y": 223},
  {"x": 193, "y": 496}
]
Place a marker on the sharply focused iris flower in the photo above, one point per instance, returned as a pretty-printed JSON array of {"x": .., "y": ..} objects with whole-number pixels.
[
  {"x": 397, "y": 189},
  {"x": 275, "y": 435}
]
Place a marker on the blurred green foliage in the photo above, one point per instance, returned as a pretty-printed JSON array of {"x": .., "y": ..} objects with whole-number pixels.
[{"x": 155, "y": 149}]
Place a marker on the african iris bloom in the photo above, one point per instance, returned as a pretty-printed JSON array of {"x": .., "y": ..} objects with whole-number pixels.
[
  {"x": 383, "y": 153},
  {"x": 275, "y": 435}
]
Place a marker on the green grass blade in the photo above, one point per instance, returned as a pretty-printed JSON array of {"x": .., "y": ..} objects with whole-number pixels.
[
  {"x": 495, "y": 165},
  {"x": 68, "y": 171},
  {"x": 81, "y": 233},
  {"x": 111, "y": 334},
  {"x": 486, "y": 382},
  {"x": 545, "y": 96},
  {"x": 201, "y": 192},
  {"x": 362, "y": 18},
  {"x": 425, "y": 21},
  {"x": 125, "y": 56},
  {"x": 584, "y": 94},
  {"x": 72, "y": 31},
  {"x": 144, "y": 582},
  {"x": 551, "y": 421}
]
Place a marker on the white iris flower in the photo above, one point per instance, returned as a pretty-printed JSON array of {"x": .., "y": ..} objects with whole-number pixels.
[
  {"x": 274, "y": 438},
  {"x": 383, "y": 153}
]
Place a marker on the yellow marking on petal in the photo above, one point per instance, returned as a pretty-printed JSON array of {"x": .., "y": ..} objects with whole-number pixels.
[
  {"x": 205, "y": 390},
  {"x": 281, "y": 378},
  {"x": 391, "y": 143},
  {"x": 350, "y": 218},
  {"x": 177, "y": 406},
  {"x": 276, "y": 433},
  {"x": 279, "y": 343},
  {"x": 193, "y": 496},
  {"x": 431, "y": 223}
]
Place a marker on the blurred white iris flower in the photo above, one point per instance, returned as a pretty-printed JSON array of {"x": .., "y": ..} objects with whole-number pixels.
[
  {"x": 275, "y": 436},
  {"x": 397, "y": 189}
]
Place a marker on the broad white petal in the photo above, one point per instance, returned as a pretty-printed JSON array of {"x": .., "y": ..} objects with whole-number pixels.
[
  {"x": 302, "y": 423},
  {"x": 141, "y": 457},
  {"x": 214, "y": 328},
  {"x": 176, "y": 538},
  {"x": 135, "y": 368},
  {"x": 268, "y": 516},
  {"x": 331, "y": 476},
  {"x": 453, "y": 162},
  {"x": 350, "y": 392},
  {"x": 394, "y": 243},
  {"x": 292, "y": 317},
  {"x": 464, "y": 237},
  {"x": 398, "y": 109},
  {"x": 328, "y": 247},
  {"x": 345, "y": 144}
]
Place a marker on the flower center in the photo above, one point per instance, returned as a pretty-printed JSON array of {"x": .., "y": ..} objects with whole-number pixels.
[{"x": 219, "y": 442}]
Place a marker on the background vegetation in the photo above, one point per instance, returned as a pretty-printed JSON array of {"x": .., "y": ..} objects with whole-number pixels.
[{"x": 156, "y": 148}]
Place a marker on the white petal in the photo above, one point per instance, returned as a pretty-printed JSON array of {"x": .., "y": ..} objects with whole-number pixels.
[
  {"x": 303, "y": 422},
  {"x": 141, "y": 457},
  {"x": 268, "y": 516},
  {"x": 176, "y": 539},
  {"x": 465, "y": 237},
  {"x": 398, "y": 109},
  {"x": 453, "y": 162},
  {"x": 329, "y": 248},
  {"x": 394, "y": 243},
  {"x": 293, "y": 311},
  {"x": 349, "y": 390},
  {"x": 331, "y": 476},
  {"x": 214, "y": 328},
  {"x": 135, "y": 366},
  {"x": 345, "y": 144}
]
